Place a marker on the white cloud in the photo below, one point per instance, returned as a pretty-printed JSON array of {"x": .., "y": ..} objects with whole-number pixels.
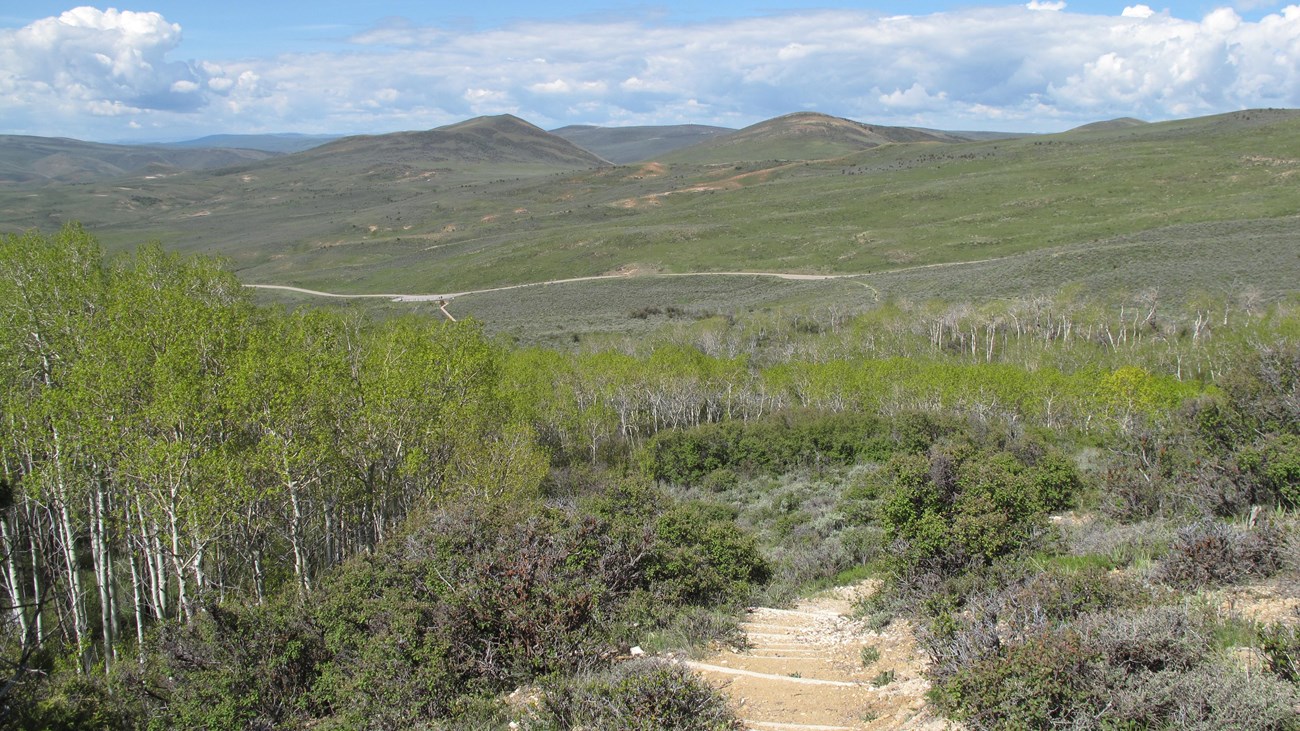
[
  {"x": 102, "y": 56},
  {"x": 915, "y": 97},
  {"x": 560, "y": 86},
  {"x": 1138, "y": 11},
  {"x": 1011, "y": 65}
]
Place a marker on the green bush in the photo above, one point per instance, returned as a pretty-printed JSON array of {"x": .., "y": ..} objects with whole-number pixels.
[
  {"x": 772, "y": 445},
  {"x": 720, "y": 480},
  {"x": 67, "y": 701},
  {"x": 1280, "y": 644},
  {"x": 233, "y": 667},
  {"x": 641, "y": 695},
  {"x": 468, "y": 600},
  {"x": 1273, "y": 463},
  {"x": 963, "y": 503},
  {"x": 701, "y": 558}
]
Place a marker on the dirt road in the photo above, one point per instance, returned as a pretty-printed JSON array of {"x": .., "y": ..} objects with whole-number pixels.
[{"x": 453, "y": 295}]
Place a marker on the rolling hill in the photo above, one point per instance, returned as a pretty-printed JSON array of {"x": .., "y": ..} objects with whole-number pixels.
[
  {"x": 631, "y": 144},
  {"x": 500, "y": 140},
  {"x": 497, "y": 201},
  {"x": 26, "y": 160},
  {"x": 802, "y": 136},
  {"x": 1120, "y": 123},
  {"x": 282, "y": 143}
]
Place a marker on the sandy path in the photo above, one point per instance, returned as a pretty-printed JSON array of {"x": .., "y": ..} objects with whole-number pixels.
[{"x": 803, "y": 671}]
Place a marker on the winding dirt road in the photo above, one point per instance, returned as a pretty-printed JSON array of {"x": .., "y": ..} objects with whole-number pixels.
[
  {"x": 454, "y": 295},
  {"x": 448, "y": 296}
]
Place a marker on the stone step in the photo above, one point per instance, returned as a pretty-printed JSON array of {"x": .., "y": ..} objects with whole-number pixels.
[
  {"x": 814, "y": 669},
  {"x": 774, "y": 726}
]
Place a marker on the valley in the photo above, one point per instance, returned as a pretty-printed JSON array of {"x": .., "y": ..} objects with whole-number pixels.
[{"x": 814, "y": 424}]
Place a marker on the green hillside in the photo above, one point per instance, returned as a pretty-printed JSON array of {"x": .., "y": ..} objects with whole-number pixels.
[
  {"x": 630, "y": 144},
  {"x": 282, "y": 142},
  {"x": 802, "y": 136},
  {"x": 497, "y": 201},
  {"x": 26, "y": 160}
]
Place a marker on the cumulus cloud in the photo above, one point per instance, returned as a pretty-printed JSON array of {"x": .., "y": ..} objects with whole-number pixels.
[
  {"x": 915, "y": 97},
  {"x": 1010, "y": 67},
  {"x": 101, "y": 62},
  {"x": 1138, "y": 11}
]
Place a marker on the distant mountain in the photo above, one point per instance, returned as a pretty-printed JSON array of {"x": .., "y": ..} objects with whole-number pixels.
[
  {"x": 280, "y": 142},
  {"x": 499, "y": 140},
  {"x": 975, "y": 135},
  {"x": 495, "y": 201},
  {"x": 803, "y": 136},
  {"x": 1121, "y": 123},
  {"x": 28, "y": 160},
  {"x": 632, "y": 144}
]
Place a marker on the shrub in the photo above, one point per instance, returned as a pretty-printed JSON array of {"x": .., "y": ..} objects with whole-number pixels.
[
  {"x": 233, "y": 668},
  {"x": 720, "y": 480},
  {"x": 701, "y": 558},
  {"x": 870, "y": 655},
  {"x": 1149, "y": 639},
  {"x": 961, "y": 503},
  {"x": 1129, "y": 668},
  {"x": 774, "y": 445},
  {"x": 466, "y": 601},
  {"x": 1281, "y": 647},
  {"x": 1273, "y": 463},
  {"x": 1047, "y": 680},
  {"x": 1204, "y": 698},
  {"x": 641, "y": 695},
  {"x": 1056, "y": 597},
  {"x": 1211, "y": 552},
  {"x": 67, "y": 701}
]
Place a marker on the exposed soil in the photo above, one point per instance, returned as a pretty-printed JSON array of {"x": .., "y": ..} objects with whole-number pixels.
[{"x": 803, "y": 670}]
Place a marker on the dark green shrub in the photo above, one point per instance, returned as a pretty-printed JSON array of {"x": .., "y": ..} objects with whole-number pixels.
[
  {"x": 720, "y": 480},
  {"x": 772, "y": 445},
  {"x": 961, "y": 503},
  {"x": 465, "y": 602},
  {"x": 1273, "y": 463},
  {"x": 234, "y": 668},
  {"x": 1056, "y": 481},
  {"x": 701, "y": 558},
  {"x": 67, "y": 701},
  {"x": 641, "y": 695}
]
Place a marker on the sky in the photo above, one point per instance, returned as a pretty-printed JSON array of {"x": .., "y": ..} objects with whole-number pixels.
[{"x": 174, "y": 70}]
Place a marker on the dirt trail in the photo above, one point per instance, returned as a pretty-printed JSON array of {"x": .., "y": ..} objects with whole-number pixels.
[
  {"x": 803, "y": 671},
  {"x": 447, "y": 296}
]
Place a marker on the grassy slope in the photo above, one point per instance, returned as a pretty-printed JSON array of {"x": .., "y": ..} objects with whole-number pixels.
[
  {"x": 631, "y": 144},
  {"x": 28, "y": 160},
  {"x": 445, "y": 226}
]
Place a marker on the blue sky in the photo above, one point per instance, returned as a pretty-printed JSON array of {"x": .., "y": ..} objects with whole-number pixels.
[{"x": 173, "y": 70}]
